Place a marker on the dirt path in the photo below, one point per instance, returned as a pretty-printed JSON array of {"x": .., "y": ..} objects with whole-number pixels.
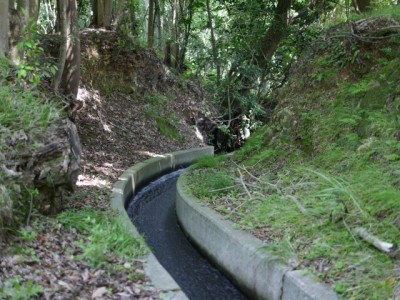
[{"x": 116, "y": 132}]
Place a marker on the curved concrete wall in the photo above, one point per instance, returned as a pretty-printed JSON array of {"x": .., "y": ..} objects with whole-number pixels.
[
  {"x": 134, "y": 178},
  {"x": 259, "y": 274}
]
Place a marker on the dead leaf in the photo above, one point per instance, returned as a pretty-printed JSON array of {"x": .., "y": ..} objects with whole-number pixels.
[
  {"x": 99, "y": 292},
  {"x": 17, "y": 259},
  {"x": 85, "y": 275},
  {"x": 64, "y": 284}
]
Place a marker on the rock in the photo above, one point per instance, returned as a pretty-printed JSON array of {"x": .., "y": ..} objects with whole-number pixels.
[
  {"x": 55, "y": 166},
  {"x": 47, "y": 167}
]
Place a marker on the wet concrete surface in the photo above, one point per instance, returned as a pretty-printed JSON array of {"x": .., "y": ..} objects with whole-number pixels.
[{"x": 152, "y": 211}]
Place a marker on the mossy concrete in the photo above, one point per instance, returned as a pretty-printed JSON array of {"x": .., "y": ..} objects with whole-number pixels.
[
  {"x": 129, "y": 182},
  {"x": 258, "y": 273}
]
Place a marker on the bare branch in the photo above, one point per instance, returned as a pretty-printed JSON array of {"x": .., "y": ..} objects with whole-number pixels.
[
  {"x": 297, "y": 202},
  {"x": 375, "y": 241},
  {"x": 244, "y": 185}
]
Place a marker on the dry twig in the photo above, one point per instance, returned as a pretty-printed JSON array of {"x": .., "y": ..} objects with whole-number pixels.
[
  {"x": 375, "y": 241},
  {"x": 244, "y": 184}
]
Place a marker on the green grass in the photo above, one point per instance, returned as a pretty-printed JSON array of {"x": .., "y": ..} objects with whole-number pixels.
[
  {"x": 155, "y": 110},
  {"x": 167, "y": 128},
  {"x": 23, "y": 108},
  {"x": 391, "y": 11},
  {"x": 327, "y": 164},
  {"x": 15, "y": 289},
  {"x": 25, "y": 114},
  {"x": 106, "y": 235}
]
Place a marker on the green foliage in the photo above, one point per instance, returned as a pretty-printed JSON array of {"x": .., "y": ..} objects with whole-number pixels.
[
  {"x": 27, "y": 235},
  {"x": 327, "y": 162},
  {"x": 16, "y": 111},
  {"x": 16, "y": 105},
  {"x": 167, "y": 128},
  {"x": 155, "y": 110},
  {"x": 25, "y": 112},
  {"x": 208, "y": 161},
  {"x": 84, "y": 13},
  {"x": 15, "y": 289},
  {"x": 282, "y": 249},
  {"x": 106, "y": 234},
  {"x": 33, "y": 67},
  {"x": 214, "y": 182},
  {"x": 381, "y": 9}
]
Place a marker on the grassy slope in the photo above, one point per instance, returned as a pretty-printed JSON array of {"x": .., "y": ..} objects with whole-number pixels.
[
  {"x": 329, "y": 162},
  {"x": 25, "y": 115}
]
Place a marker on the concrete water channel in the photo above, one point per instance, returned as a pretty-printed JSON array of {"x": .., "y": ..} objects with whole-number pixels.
[
  {"x": 152, "y": 210},
  {"x": 259, "y": 274}
]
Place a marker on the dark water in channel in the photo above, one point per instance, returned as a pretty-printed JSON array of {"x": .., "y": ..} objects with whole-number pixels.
[{"x": 152, "y": 211}]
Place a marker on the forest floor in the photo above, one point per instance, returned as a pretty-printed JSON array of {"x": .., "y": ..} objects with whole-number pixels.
[{"x": 117, "y": 129}]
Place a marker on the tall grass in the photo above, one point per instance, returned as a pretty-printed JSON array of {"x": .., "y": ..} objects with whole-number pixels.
[{"x": 107, "y": 235}]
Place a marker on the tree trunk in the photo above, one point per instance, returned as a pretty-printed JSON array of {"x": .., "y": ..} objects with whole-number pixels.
[
  {"x": 34, "y": 8},
  {"x": 68, "y": 74},
  {"x": 102, "y": 12},
  {"x": 186, "y": 34},
  {"x": 276, "y": 31},
  {"x": 213, "y": 42},
  {"x": 150, "y": 26},
  {"x": 71, "y": 75},
  {"x": 63, "y": 26},
  {"x": 23, "y": 9},
  {"x": 361, "y": 5},
  {"x": 157, "y": 19},
  {"x": 132, "y": 15},
  {"x": 18, "y": 22},
  {"x": 120, "y": 10},
  {"x": 4, "y": 25},
  {"x": 167, "y": 54},
  {"x": 174, "y": 50}
]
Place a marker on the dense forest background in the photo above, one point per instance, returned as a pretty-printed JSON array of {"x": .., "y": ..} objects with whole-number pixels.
[
  {"x": 242, "y": 50},
  {"x": 307, "y": 92}
]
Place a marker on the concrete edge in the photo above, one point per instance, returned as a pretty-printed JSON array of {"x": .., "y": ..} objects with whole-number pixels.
[
  {"x": 125, "y": 187},
  {"x": 241, "y": 255}
]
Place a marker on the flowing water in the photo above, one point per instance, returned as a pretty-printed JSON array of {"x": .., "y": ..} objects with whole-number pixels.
[{"x": 152, "y": 210}]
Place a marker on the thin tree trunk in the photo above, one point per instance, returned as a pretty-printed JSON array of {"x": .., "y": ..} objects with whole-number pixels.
[
  {"x": 34, "y": 8},
  {"x": 71, "y": 75},
  {"x": 23, "y": 9},
  {"x": 132, "y": 15},
  {"x": 63, "y": 25},
  {"x": 157, "y": 18},
  {"x": 174, "y": 45},
  {"x": 150, "y": 26},
  {"x": 361, "y": 5},
  {"x": 102, "y": 13},
  {"x": 118, "y": 15},
  {"x": 213, "y": 42},
  {"x": 4, "y": 25},
  {"x": 18, "y": 21},
  {"x": 107, "y": 12},
  {"x": 276, "y": 32},
  {"x": 188, "y": 28}
]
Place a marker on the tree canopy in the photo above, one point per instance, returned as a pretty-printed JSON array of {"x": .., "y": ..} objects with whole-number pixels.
[{"x": 241, "y": 50}]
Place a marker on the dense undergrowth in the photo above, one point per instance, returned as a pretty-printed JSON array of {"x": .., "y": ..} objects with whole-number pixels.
[
  {"x": 25, "y": 114},
  {"x": 327, "y": 164}
]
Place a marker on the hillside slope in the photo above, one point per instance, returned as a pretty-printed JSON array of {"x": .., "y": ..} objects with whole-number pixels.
[
  {"x": 326, "y": 168},
  {"x": 130, "y": 108},
  {"x": 133, "y": 107}
]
